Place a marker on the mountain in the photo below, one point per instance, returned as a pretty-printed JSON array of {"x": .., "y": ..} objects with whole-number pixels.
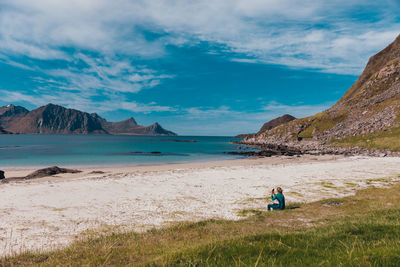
[
  {"x": 121, "y": 127},
  {"x": 366, "y": 116},
  {"x": 269, "y": 125},
  {"x": 10, "y": 113},
  {"x": 157, "y": 129},
  {"x": 276, "y": 122},
  {"x": 11, "y": 110},
  {"x": 54, "y": 119},
  {"x": 130, "y": 127}
]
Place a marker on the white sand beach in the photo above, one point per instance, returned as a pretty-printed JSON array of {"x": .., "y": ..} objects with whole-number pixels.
[{"x": 48, "y": 213}]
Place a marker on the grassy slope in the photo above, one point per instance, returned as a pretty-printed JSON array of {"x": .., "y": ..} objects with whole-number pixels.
[
  {"x": 364, "y": 230},
  {"x": 389, "y": 139}
]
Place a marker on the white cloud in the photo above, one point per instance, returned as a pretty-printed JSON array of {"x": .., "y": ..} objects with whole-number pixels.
[
  {"x": 245, "y": 60},
  {"x": 267, "y": 31},
  {"x": 207, "y": 113},
  {"x": 76, "y": 101},
  {"x": 98, "y": 78},
  {"x": 106, "y": 38}
]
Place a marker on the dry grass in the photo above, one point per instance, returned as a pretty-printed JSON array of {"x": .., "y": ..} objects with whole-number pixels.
[{"x": 389, "y": 139}]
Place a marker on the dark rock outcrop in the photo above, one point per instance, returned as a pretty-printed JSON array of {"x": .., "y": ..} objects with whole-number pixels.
[
  {"x": 54, "y": 119},
  {"x": 2, "y": 175},
  {"x": 2, "y": 131},
  {"x": 269, "y": 150},
  {"x": 175, "y": 140},
  {"x": 276, "y": 122},
  {"x": 50, "y": 171},
  {"x": 269, "y": 125}
]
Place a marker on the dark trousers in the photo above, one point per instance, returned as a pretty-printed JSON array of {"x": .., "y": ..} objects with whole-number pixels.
[{"x": 273, "y": 206}]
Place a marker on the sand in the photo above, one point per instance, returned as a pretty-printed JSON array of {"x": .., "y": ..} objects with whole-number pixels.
[{"x": 49, "y": 213}]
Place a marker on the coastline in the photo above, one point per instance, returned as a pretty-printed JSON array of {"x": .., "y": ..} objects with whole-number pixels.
[
  {"x": 20, "y": 171},
  {"x": 52, "y": 212}
]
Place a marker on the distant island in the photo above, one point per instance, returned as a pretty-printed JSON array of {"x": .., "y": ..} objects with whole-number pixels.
[{"x": 55, "y": 119}]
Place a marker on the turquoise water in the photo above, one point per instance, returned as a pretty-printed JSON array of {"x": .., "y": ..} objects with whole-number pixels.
[{"x": 97, "y": 150}]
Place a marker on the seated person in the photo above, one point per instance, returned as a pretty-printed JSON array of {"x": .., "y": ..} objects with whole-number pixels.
[{"x": 279, "y": 197}]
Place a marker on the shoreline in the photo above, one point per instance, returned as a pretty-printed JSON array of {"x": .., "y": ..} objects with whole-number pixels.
[
  {"x": 51, "y": 212},
  {"x": 310, "y": 147},
  {"x": 19, "y": 171},
  {"x": 119, "y": 165}
]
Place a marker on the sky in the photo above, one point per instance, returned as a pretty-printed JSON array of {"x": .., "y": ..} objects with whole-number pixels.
[{"x": 204, "y": 67}]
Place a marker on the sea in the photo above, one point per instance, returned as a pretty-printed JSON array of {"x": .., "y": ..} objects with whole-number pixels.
[{"x": 106, "y": 150}]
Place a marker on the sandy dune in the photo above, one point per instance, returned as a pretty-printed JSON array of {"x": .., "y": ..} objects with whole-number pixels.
[{"x": 51, "y": 212}]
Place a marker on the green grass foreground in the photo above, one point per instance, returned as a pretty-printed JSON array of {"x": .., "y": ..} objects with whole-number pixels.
[{"x": 362, "y": 230}]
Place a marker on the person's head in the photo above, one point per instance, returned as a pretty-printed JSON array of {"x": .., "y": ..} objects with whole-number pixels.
[{"x": 279, "y": 190}]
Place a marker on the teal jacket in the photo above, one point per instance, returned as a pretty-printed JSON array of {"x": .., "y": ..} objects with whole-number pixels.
[{"x": 281, "y": 200}]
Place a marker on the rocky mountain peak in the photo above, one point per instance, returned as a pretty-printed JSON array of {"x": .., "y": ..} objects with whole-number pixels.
[
  {"x": 380, "y": 73},
  {"x": 132, "y": 120},
  {"x": 55, "y": 119},
  {"x": 276, "y": 122},
  {"x": 158, "y": 129},
  {"x": 155, "y": 125},
  {"x": 369, "y": 110},
  {"x": 54, "y": 108},
  {"x": 12, "y": 110}
]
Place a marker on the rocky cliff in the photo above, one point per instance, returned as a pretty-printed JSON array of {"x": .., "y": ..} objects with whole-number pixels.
[
  {"x": 269, "y": 125},
  {"x": 366, "y": 116},
  {"x": 54, "y": 119},
  {"x": 276, "y": 122}
]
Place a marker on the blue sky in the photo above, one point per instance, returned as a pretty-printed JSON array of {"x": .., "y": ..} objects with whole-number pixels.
[{"x": 197, "y": 67}]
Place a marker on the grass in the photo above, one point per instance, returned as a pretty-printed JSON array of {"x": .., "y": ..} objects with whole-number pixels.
[
  {"x": 384, "y": 180},
  {"x": 322, "y": 122},
  {"x": 59, "y": 209},
  {"x": 328, "y": 185},
  {"x": 248, "y": 212},
  {"x": 351, "y": 184},
  {"x": 364, "y": 230},
  {"x": 380, "y": 140}
]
